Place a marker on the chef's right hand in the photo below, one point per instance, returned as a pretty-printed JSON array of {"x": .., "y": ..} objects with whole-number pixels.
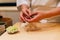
[
  {"x": 25, "y": 11},
  {"x": 37, "y": 16}
]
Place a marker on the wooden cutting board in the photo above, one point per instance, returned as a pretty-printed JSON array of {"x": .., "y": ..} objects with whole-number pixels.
[{"x": 50, "y": 31}]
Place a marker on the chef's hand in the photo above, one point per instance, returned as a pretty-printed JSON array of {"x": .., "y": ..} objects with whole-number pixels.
[
  {"x": 25, "y": 11},
  {"x": 36, "y": 16},
  {"x": 44, "y": 14}
]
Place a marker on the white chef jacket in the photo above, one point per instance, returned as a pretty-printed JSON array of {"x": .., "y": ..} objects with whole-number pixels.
[{"x": 39, "y": 5}]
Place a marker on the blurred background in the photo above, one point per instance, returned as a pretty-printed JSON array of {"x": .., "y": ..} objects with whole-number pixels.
[
  {"x": 8, "y": 1},
  {"x": 8, "y": 9}
]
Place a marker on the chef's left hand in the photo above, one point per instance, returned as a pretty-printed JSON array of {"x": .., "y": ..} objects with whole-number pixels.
[{"x": 23, "y": 16}]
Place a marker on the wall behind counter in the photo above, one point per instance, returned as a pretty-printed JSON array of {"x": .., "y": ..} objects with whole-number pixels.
[{"x": 14, "y": 15}]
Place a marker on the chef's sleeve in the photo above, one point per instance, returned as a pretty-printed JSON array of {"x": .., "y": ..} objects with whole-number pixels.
[
  {"x": 58, "y": 4},
  {"x": 20, "y": 2}
]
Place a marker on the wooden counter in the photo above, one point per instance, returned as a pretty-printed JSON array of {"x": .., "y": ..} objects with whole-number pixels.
[{"x": 50, "y": 32}]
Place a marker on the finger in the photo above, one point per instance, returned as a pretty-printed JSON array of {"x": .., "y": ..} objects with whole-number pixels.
[
  {"x": 22, "y": 20},
  {"x": 34, "y": 14},
  {"x": 29, "y": 11},
  {"x": 35, "y": 18},
  {"x": 22, "y": 17},
  {"x": 25, "y": 13}
]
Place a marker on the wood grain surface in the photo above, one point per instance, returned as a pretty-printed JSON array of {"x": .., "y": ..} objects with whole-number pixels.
[{"x": 49, "y": 31}]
